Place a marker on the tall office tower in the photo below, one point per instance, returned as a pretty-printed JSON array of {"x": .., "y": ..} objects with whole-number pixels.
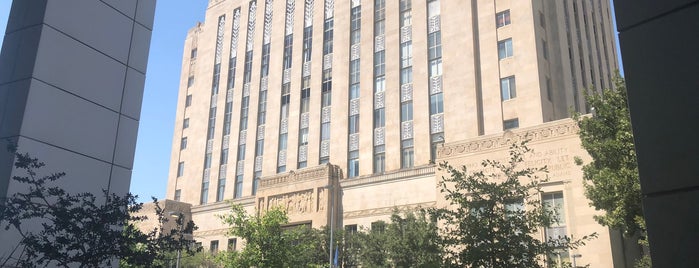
[
  {"x": 71, "y": 83},
  {"x": 335, "y": 110}
]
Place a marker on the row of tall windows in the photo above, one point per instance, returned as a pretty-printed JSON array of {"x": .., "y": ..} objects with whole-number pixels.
[
  {"x": 262, "y": 98},
  {"x": 379, "y": 85},
  {"x": 406, "y": 85},
  {"x": 305, "y": 86},
  {"x": 286, "y": 87},
  {"x": 434, "y": 57},
  {"x": 354, "y": 76},
  {"x": 326, "y": 87}
]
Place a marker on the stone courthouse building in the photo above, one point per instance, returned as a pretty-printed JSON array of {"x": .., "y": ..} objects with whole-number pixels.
[{"x": 341, "y": 106}]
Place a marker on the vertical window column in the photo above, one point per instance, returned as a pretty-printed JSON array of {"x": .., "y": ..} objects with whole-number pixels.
[
  {"x": 406, "y": 84},
  {"x": 305, "y": 85},
  {"x": 286, "y": 86},
  {"x": 326, "y": 89},
  {"x": 379, "y": 86},
  {"x": 354, "y": 77},
  {"x": 434, "y": 56},
  {"x": 262, "y": 97}
]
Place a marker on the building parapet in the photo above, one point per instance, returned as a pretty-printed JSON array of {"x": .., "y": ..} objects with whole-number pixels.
[
  {"x": 414, "y": 173},
  {"x": 326, "y": 172}
]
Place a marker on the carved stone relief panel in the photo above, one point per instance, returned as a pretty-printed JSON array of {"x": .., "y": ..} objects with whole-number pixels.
[{"x": 293, "y": 203}]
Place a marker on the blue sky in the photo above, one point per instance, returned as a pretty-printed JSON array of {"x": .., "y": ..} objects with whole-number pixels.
[{"x": 173, "y": 18}]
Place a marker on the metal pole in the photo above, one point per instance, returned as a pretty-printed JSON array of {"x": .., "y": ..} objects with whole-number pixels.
[
  {"x": 177, "y": 263},
  {"x": 332, "y": 222}
]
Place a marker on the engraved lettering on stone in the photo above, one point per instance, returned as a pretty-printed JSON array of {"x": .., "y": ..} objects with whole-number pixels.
[
  {"x": 379, "y": 100},
  {"x": 290, "y": 6},
  {"x": 251, "y": 26},
  {"x": 437, "y": 124},
  {"x": 293, "y": 203},
  {"x": 267, "y": 31},
  {"x": 306, "y": 69},
  {"x": 406, "y": 34},
  {"x": 379, "y": 136},
  {"x": 325, "y": 116},
  {"x": 303, "y": 153},
  {"x": 354, "y": 52},
  {"x": 239, "y": 168},
  {"x": 243, "y": 137},
  {"x": 354, "y": 106},
  {"x": 308, "y": 13},
  {"x": 282, "y": 158},
  {"x": 379, "y": 43},
  {"x": 329, "y": 8},
  {"x": 406, "y": 130},
  {"x": 434, "y": 25},
  {"x": 354, "y": 141},
  {"x": 284, "y": 126},
  {"x": 327, "y": 61},
  {"x": 406, "y": 92},
  {"x": 258, "y": 163},
  {"x": 325, "y": 148},
  {"x": 260, "y": 132},
  {"x": 436, "y": 84},
  {"x": 304, "y": 120}
]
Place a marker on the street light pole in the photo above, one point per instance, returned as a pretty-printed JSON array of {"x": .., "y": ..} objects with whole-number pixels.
[
  {"x": 177, "y": 215},
  {"x": 332, "y": 222},
  {"x": 576, "y": 256}
]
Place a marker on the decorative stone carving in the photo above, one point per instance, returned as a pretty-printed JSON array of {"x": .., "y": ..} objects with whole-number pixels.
[
  {"x": 219, "y": 39},
  {"x": 290, "y": 6},
  {"x": 243, "y": 137},
  {"x": 304, "y": 120},
  {"x": 356, "y": 3},
  {"x": 213, "y": 100},
  {"x": 406, "y": 92},
  {"x": 267, "y": 31},
  {"x": 406, "y": 33},
  {"x": 260, "y": 132},
  {"x": 308, "y": 13},
  {"x": 406, "y": 130},
  {"x": 354, "y": 52},
  {"x": 246, "y": 89},
  {"x": 284, "y": 128},
  {"x": 286, "y": 76},
  {"x": 379, "y": 136},
  {"x": 325, "y": 148},
  {"x": 258, "y": 163},
  {"x": 209, "y": 146},
  {"x": 354, "y": 107},
  {"x": 306, "y": 69},
  {"x": 303, "y": 153},
  {"x": 379, "y": 100},
  {"x": 251, "y": 26},
  {"x": 327, "y": 61},
  {"x": 226, "y": 140},
  {"x": 325, "y": 115},
  {"x": 354, "y": 142},
  {"x": 235, "y": 32},
  {"x": 379, "y": 43},
  {"x": 229, "y": 95},
  {"x": 433, "y": 24},
  {"x": 293, "y": 203},
  {"x": 240, "y": 167},
  {"x": 329, "y": 8},
  {"x": 437, "y": 123},
  {"x": 322, "y": 203},
  {"x": 264, "y": 83},
  {"x": 222, "y": 171},
  {"x": 207, "y": 174},
  {"x": 282, "y": 158},
  {"x": 436, "y": 84}
]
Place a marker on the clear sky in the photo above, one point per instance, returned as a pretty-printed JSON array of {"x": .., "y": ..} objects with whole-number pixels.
[{"x": 173, "y": 18}]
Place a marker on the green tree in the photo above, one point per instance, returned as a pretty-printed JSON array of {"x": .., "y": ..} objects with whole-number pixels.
[
  {"x": 495, "y": 214},
  {"x": 611, "y": 178},
  {"x": 77, "y": 230},
  {"x": 268, "y": 243}
]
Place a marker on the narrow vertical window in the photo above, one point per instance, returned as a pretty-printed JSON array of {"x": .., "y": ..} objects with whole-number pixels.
[
  {"x": 508, "y": 88},
  {"x": 180, "y": 169},
  {"x": 502, "y": 18}
]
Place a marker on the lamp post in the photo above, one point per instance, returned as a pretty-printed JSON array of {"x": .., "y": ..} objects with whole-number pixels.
[
  {"x": 176, "y": 216},
  {"x": 332, "y": 222},
  {"x": 575, "y": 256}
]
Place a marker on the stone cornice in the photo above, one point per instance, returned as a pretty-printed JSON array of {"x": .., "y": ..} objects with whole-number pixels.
[
  {"x": 307, "y": 174},
  {"x": 222, "y": 231},
  {"x": 223, "y": 206},
  {"x": 547, "y": 131},
  {"x": 414, "y": 173}
]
